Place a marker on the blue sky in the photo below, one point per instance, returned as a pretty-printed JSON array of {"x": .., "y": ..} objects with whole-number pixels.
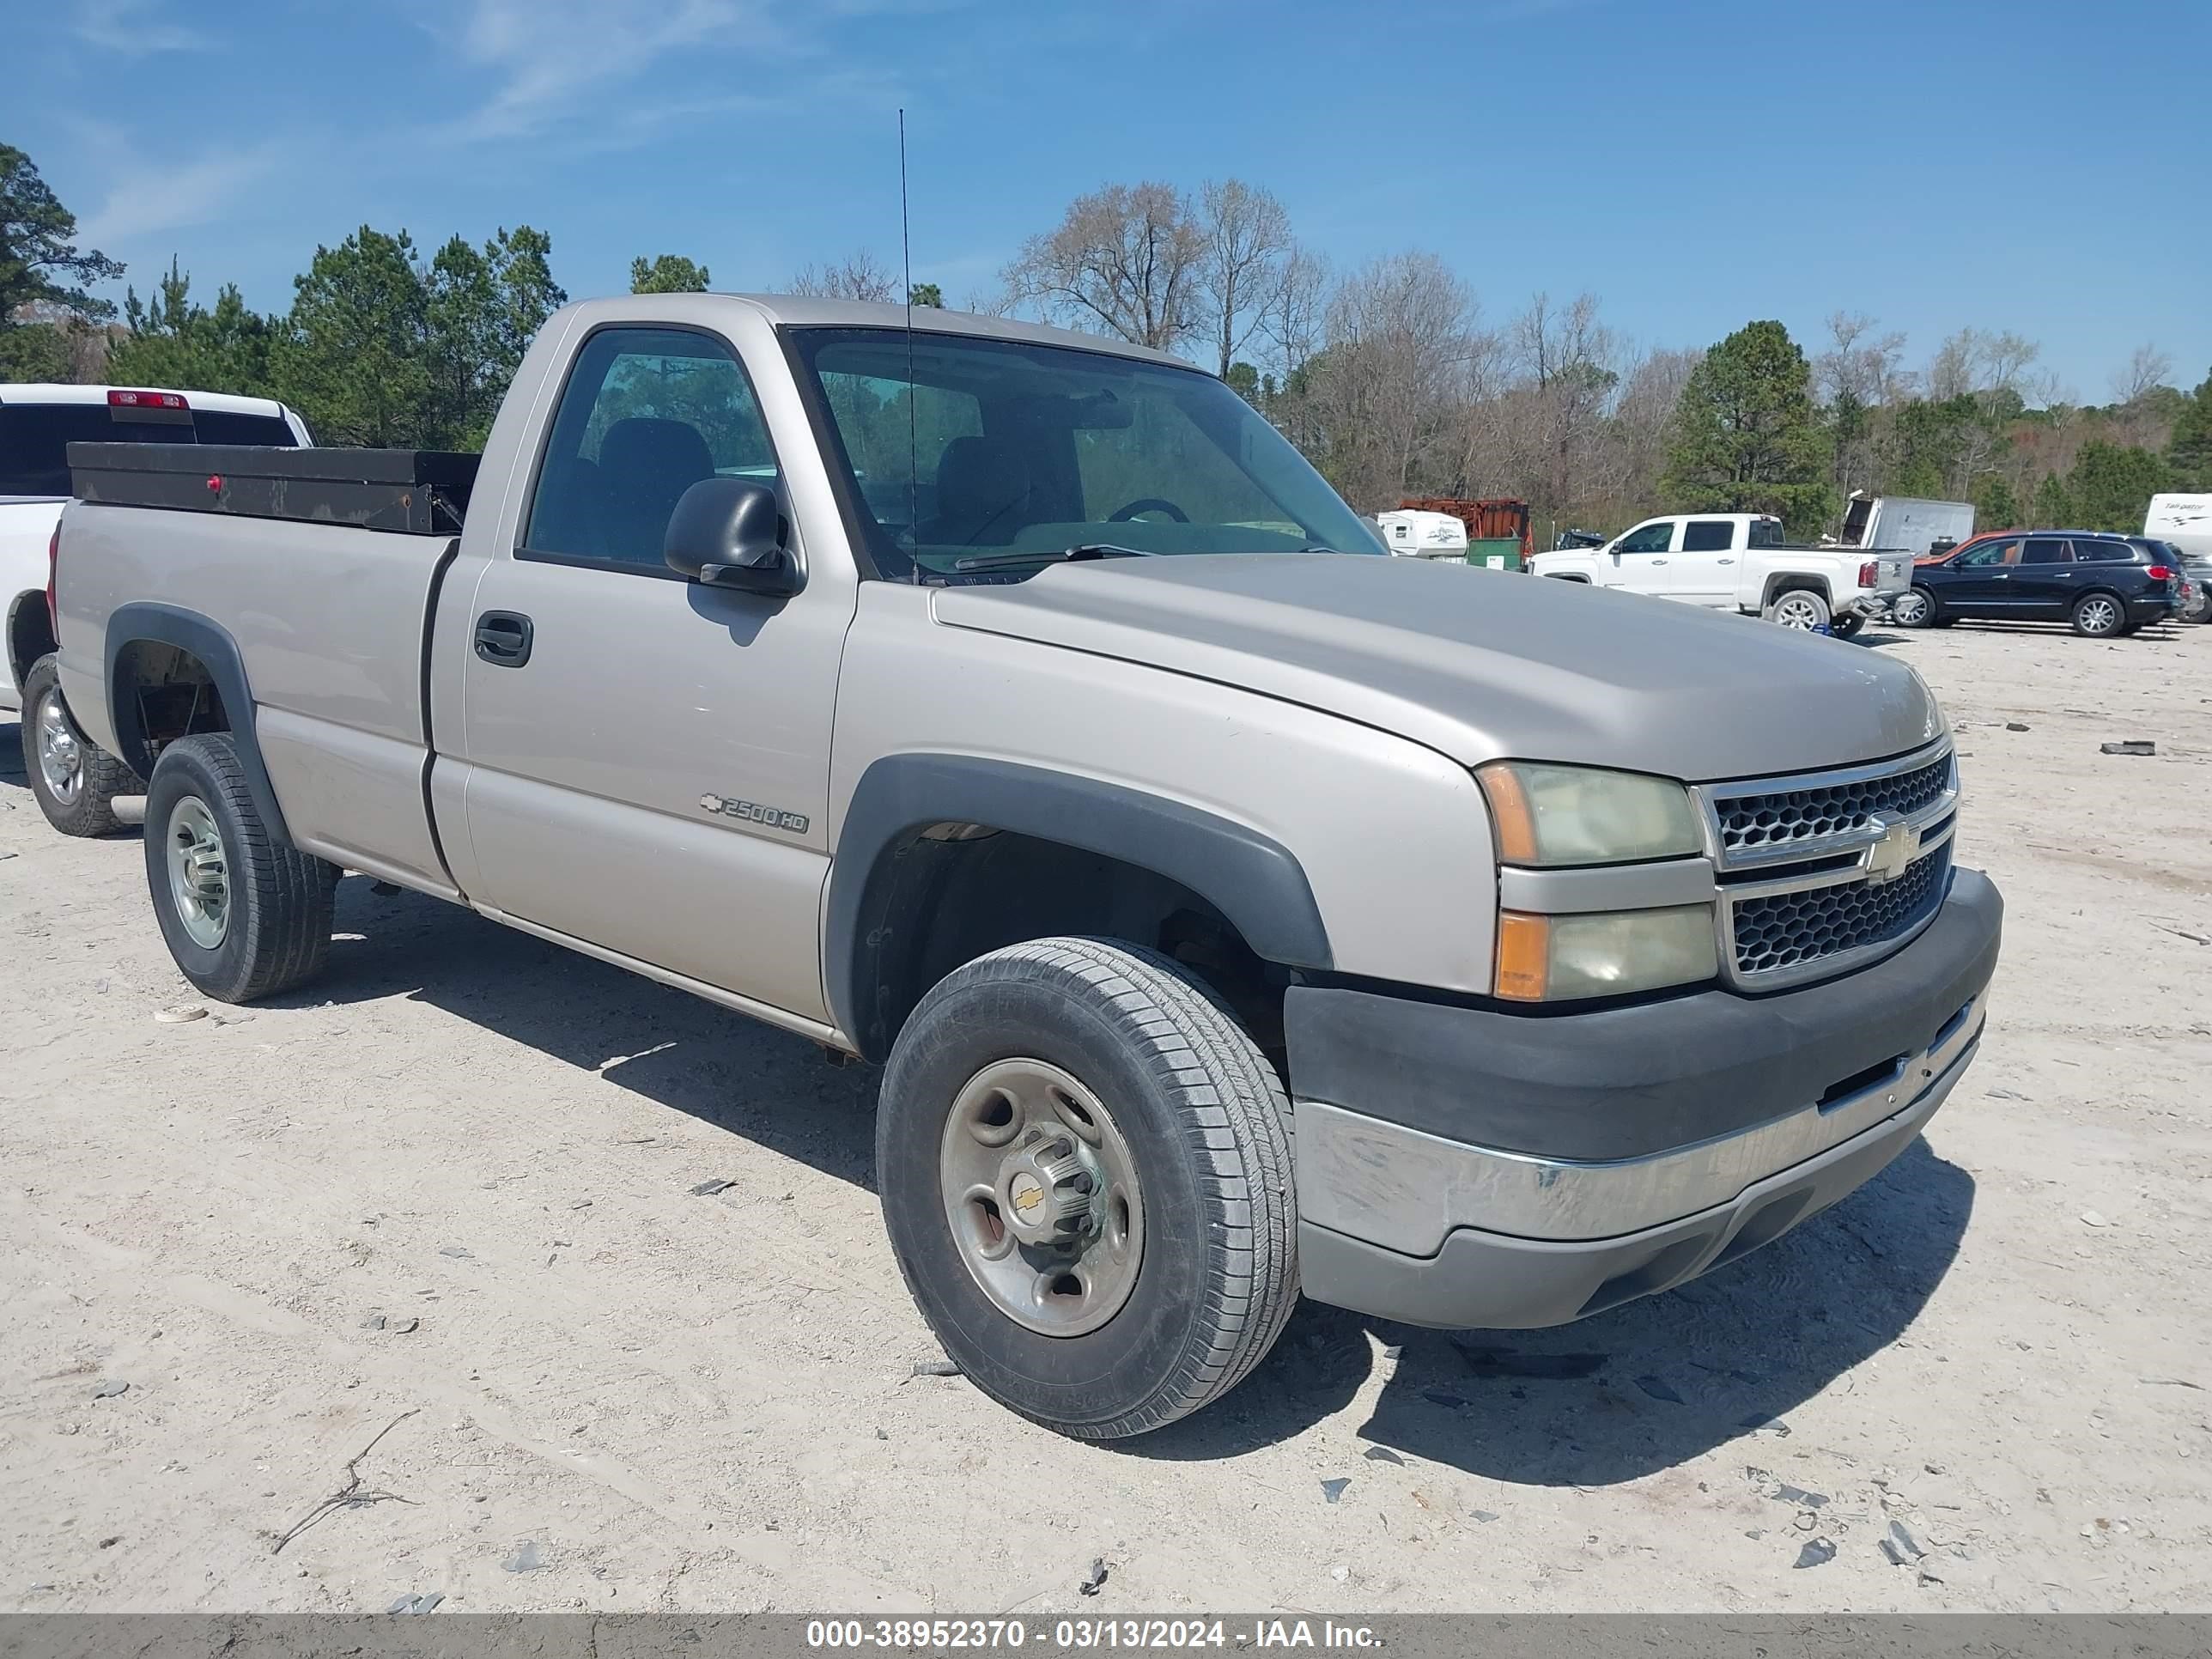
[{"x": 2037, "y": 166}]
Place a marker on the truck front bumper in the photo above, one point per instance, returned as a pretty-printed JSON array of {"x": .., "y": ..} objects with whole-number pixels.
[{"x": 1462, "y": 1167}]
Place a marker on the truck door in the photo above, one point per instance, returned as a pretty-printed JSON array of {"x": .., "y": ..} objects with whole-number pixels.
[
  {"x": 1641, "y": 561},
  {"x": 647, "y": 758},
  {"x": 1703, "y": 569}
]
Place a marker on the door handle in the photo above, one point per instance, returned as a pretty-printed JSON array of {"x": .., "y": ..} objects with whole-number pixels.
[
  {"x": 1658, "y": 561},
  {"x": 1727, "y": 560},
  {"x": 503, "y": 638}
]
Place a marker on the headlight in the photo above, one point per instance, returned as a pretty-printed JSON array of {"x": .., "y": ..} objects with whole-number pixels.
[
  {"x": 1552, "y": 815},
  {"x": 1607, "y": 954}
]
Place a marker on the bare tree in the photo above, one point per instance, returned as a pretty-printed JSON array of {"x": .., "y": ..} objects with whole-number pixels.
[
  {"x": 1248, "y": 247},
  {"x": 1975, "y": 363},
  {"x": 1296, "y": 322},
  {"x": 2146, "y": 370},
  {"x": 1391, "y": 384},
  {"x": 1129, "y": 257},
  {"x": 1860, "y": 366},
  {"x": 856, "y": 277}
]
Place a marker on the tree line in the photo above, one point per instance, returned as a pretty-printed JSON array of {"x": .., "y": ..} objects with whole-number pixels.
[{"x": 1391, "y": 377}]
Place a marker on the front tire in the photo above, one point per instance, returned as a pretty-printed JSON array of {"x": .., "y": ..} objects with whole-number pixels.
[
  {"x": 1800, "y": 608},
  {"x": 1916, "y": 608},
  {"x": 2098, "y": 616},
  {"x": 246, "y": 914},
  {"x": 75, "y": 781},
  {"x": 1085, "y": 1166}
]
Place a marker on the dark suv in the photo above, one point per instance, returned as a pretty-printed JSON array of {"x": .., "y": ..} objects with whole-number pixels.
[{"x": 2103, "y": 584}]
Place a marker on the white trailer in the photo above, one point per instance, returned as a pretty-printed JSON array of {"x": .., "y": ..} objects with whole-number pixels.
[
  {"x": 2185, "y": 520},
  {"x": 1902, "y": 524}
]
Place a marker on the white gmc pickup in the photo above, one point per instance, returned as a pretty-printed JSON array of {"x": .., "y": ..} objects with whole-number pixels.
[{"x": 1738, "y": 562}]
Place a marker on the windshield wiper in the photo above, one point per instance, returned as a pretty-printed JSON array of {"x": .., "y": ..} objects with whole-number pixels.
[{"x": 1061, "y": 555}]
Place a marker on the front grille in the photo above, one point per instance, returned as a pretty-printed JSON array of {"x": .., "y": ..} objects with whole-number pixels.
[
  {"x": 1781, "y": 818},
  {"x": 1785, "y": 931}
]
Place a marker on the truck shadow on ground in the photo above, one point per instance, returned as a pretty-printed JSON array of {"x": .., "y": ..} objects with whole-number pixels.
[
  {"x": 1644, "y": 1388},
  {"x": 1616, "y": 1397},
  {"x": 771, "y": 1087}
]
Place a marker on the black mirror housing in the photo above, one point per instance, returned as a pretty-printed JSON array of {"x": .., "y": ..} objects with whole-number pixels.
[{"x": 730, "y": 533}]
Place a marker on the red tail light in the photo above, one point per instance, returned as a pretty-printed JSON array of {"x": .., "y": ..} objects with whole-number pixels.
[
  {"x": 53, "y": 558},
  {"x": 147, "y": 400},
  {"x": 1869, "y": 573},
  {"x": 2158, "y": 573}
]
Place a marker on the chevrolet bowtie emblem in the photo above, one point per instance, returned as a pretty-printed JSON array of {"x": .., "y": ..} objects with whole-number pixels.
[{"x": 1890, "y": 856}]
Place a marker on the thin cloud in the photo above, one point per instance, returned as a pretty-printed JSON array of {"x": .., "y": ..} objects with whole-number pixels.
[
  {"x": 136, "y": 29},
  {"x": 148, "y": 198}
]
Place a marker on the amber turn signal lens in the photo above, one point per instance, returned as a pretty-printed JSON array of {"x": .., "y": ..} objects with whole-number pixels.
[
  {"x": 1525, "y": 951},
  {"x": 1509, "y": 813}
]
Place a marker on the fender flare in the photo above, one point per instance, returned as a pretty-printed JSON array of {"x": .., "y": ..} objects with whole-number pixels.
[
  {"x": 1250, "y": 877},
  {"x": 211, "y": 643}
]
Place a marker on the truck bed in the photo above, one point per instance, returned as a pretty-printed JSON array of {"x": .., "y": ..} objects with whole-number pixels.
[
  {"x": 423, "y": 492},
  {"x": 332, "y": 640}
]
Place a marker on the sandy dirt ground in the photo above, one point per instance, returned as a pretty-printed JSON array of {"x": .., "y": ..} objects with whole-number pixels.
[{"x": 444, "y": 1204}]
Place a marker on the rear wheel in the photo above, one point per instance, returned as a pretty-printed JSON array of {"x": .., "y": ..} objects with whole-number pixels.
[
  {"x": 75, "y": 780},
  {"x": 1849, "y": 624},
  {"x": 245, "y": 914},
  {"x": 1085, "y": 1171},
  {"x": 2099, "y": 615},
  {"x": 1914, "y": 608},
  {"x": 1800, "y": 608}
]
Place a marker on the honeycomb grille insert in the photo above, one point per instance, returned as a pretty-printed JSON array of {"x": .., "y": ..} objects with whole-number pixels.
[
  {"x": 1794, "y": 930},
  {"x": 1782, "y": 817}
]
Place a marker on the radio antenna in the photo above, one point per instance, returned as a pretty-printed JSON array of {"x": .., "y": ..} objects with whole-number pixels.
[{"x": 913, "y": 441}]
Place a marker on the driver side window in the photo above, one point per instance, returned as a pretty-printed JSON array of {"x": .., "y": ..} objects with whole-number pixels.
[
  {"x": 1654, "y": 538},
  {"x": 1994, "y": 553}
]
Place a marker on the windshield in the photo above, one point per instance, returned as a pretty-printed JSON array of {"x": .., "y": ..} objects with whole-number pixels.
[{"x": 1005, "y": 448}]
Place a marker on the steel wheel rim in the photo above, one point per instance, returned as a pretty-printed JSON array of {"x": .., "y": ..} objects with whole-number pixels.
[
  {"x": 1797, "y": 613},
  {"x": 199, "y": 875},
  {"x": 1040, "y": 1194},
  {"x": 1910, "y": 610},
  {"x": 2100, "y": 615},
  {"x": 61, "y": 756}
]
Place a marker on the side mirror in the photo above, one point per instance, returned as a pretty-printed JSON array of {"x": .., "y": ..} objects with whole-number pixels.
[{"x": 729, "y": 533}]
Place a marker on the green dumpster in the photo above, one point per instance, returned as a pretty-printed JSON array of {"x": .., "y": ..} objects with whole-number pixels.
[{"x": 1497, "y": 552}]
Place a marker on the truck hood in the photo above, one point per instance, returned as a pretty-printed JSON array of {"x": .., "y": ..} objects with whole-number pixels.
[{"x": 1479, "y": 665}]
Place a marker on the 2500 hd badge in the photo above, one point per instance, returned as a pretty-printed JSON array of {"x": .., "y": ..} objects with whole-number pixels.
[{"x": 772, "y": 817}]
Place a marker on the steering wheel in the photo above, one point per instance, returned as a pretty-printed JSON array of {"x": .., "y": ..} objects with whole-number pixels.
[{"x": 1150, "y": 504}]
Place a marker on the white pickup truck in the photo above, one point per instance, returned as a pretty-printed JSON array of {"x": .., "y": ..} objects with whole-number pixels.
[
  {"x": 73, "y": 780},
  {"x": 1738, "y": 562}
]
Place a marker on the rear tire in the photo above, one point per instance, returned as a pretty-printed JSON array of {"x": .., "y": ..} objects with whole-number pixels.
[
  {"x": 1196, "y": 1143},
  {"x": 1917, "y": 607},
  {"x": 75, "y": 781},
  {"x": 246, "y": 914},
  {"x": 2098, "y": 616},
  {"x": 1800, "y": 608},
  {"x": 1844, "y": 626}
]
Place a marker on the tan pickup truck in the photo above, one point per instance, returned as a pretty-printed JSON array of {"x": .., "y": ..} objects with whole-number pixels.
[{"x": 1233, "y": 908}]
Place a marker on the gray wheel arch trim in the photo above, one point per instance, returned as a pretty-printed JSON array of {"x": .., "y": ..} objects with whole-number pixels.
[
  {"x": 169, "y": 624},
  {"x": 1252, "y": 878}
]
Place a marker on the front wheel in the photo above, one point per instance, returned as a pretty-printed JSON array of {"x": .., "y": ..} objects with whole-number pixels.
[
  {"x": 1085, "y": 1166},
  {"x": 245, "y": 914},
  {"x": 75, "y": 781},
  {"x": 1914, "y": 608},
  {"x": 2098, "y": 616},
  {"x": 1800, "y": 608}
]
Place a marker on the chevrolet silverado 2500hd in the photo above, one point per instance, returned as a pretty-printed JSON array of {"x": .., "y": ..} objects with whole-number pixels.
[
  {"x": 1738, "y": 562},
  {"x": 1230, "y": 915}
]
